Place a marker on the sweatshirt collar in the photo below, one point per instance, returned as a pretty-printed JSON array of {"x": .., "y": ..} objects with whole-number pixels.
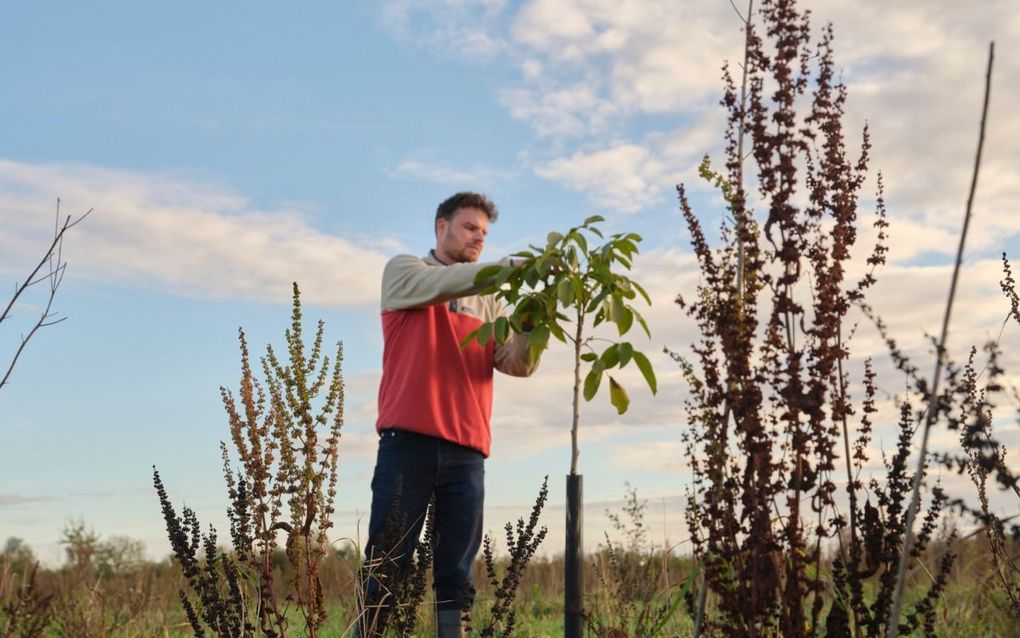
[{"x": 435, "y": 258}]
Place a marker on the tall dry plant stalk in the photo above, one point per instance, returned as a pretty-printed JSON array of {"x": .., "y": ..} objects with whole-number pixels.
[
  {"x": 285, "y": 431},
  {"x": 27, "y": 612},
  {"x": 932, "y": 412},
  {"x": 636, "y": 595},
  {"x": 522, "y": 542},
  {"x": 394, "y": 576},
  {"x": 984, "y": 457},
  {"x": 771, "y": 412}
]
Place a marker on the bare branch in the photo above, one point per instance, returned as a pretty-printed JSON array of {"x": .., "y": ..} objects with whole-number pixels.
[
  {"x": 56, "y": 268},
  {"x": 737, "y": 11}
]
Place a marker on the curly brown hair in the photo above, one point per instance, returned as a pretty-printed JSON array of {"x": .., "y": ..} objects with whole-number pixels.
[{"x": 466, "y": 200}]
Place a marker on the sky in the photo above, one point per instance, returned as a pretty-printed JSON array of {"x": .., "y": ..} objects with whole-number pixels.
[{"x": 228, "y": 149}]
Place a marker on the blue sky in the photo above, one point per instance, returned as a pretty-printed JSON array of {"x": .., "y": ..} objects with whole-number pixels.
[{"x": 228, "y": 149}]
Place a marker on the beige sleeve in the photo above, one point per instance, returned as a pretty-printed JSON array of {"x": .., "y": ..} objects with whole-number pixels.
[
  {"x": 514, "y": 358},
  {"x": 409, "y": 282}
]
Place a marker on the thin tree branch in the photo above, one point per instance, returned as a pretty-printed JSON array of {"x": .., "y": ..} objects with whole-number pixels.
[
  {"x": 55, "y": 245},
  {"x": 57, "y": 268}
]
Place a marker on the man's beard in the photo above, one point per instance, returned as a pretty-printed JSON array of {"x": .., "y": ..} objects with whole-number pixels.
[{"x": 467, "y": 255}]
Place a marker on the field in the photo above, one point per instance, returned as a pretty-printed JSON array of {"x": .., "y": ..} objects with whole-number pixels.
[
  {"x": 805, "y": 519},
  {"x": 141, "y": 598}
]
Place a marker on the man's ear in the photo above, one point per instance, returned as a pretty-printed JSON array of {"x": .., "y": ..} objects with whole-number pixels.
[{"x": 441, "y": 224}]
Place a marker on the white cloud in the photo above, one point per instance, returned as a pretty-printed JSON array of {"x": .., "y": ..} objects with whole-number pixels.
[
  {"x": 655, "y": 56},
  {"x": 590, "y": 69},
  {"x": 664, "y": 456},
  {"x": 183, "y": 237},
  {"x": 625, "y": 177},
  {"x": 572, "y": 110},
  {"x": 462, "y": 28},
  {"x": 19, "y": 500},
  {"x": 549, "y": 26},
  {"x": 440, "y": 174},
  {"x": 628, "y": 177}
]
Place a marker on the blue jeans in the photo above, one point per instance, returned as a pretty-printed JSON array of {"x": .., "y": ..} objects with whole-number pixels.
[{"x": 416, "y": 466}]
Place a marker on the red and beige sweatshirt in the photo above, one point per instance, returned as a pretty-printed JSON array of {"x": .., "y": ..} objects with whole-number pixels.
[{"x": 430, "y": 385}]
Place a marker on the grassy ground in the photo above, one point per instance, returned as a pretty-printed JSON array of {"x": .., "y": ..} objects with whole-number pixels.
[{"x": 144, "y": 602}]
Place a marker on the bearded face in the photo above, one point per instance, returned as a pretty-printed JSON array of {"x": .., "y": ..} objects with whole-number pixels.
[{"x": 461, "y": 238}]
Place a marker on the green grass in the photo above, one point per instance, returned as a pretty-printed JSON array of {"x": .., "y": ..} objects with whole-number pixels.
[{"x": 973, "y": 605}]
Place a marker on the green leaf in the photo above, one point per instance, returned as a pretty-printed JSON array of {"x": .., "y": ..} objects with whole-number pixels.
[
  {"x": 538, "y": 340},
  {"x": 487, "y": 273},
  {"x": 642, "y": 321},
  {"x": 581, "y": 242},
  {"x": 626, "y": 247},
  {"x": 502, "y": 330},
  {"x": 611, "y": 356},
  {"x": 594, "y": 303},
  {"x": 565, "y": 291},
  {"x": 503, "y": 275},
  {"x": 469, "y": 338},
  {"x": 570, "y": 260},
  {"x": 578, "y": 288},
  {"x": 589, "y": 357},
  {"x": 556, "y": 331},
  {"x": 594, "y": 219},
  {"x": 625, "y": 350},
  {"x": 531, "y": 277},
  {"x": 553, "y": 238},
  {"x": 602, "y": 272},
  {"x": 621, "y": 258},
  {"x": 540, "y": 265},
  {"x": 641, "y": 290},
  {"x": 484, "y": 333},
  {"x": 645, "y": 366},
  {"x": 591, "y": 383},
  {"x": 623, "y": 316},
  {"x": 618, "y": 396},
  {"x": 550, "y": 307}
]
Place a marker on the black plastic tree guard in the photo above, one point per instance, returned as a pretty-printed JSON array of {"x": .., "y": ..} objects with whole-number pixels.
[{"x": 573, "y": 604}]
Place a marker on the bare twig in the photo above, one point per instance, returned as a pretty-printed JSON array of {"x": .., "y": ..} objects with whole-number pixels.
[
  {"x": 740, "y": 15},
  {"x": 892, "y": 626},
  {"x": 56, "y": 268},
  {"x": 741, "y": 221}
]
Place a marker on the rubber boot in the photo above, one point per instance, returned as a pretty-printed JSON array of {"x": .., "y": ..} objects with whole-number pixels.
[{"x": 449, "y": 624}]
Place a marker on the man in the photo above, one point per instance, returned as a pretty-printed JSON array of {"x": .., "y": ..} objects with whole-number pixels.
[{"x": 435, "y": 401}]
